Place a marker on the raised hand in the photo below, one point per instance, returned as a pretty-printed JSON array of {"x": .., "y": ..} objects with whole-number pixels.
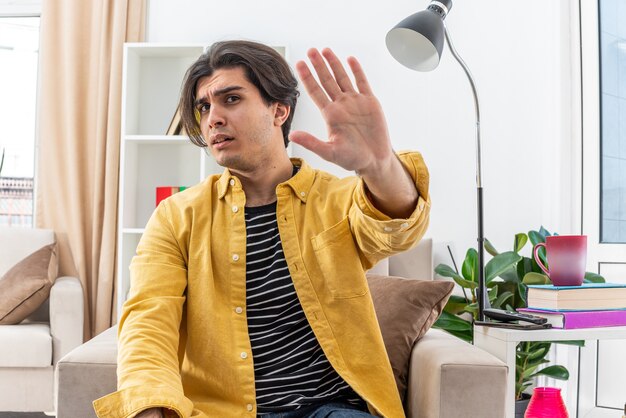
[{"x": 357, "y": 131}]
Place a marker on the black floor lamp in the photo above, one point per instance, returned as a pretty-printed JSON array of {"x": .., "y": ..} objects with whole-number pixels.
[{"x": 417, "y": 43}]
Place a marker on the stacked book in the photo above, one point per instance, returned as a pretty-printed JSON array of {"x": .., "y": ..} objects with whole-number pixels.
[
  {"x": 165, "y": 192},
  {"x": 587, "y": 306}
]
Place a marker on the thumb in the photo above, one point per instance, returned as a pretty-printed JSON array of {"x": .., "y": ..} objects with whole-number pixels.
[{"x": 313, "y": 144}]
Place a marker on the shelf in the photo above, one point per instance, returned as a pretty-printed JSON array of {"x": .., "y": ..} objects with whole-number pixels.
[
  {"x": 138, "y": 231},
  {"x": 147, "y": 166},
  {"x": 153, "y": 76},
  {"x": 157, "y": 139},
  {"x": 161, "y": 50}
]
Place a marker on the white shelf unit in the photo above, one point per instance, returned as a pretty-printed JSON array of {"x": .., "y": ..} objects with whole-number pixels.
[{"x": 152, "y": 79}]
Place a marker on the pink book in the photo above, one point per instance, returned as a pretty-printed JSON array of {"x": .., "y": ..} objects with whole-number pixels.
[{"x": 580, "y": 319}]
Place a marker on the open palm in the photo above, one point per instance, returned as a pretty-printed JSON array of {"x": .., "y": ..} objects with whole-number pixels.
[{"x": 357, "y": 131}]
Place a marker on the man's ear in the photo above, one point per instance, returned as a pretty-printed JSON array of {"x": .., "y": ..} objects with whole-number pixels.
[{"x": 281, "y": 113}]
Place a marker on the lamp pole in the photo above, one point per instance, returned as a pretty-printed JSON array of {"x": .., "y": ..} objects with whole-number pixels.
[
  {"x": 417, "y": 43},
  {"x": 482, "y": 287}
]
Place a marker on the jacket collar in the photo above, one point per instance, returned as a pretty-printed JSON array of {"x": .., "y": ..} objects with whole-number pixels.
[{"x": 300, "y": 184}]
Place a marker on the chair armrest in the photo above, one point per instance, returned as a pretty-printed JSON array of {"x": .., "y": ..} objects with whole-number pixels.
[
  {"x": 66, "y": 316},
  {"x": 451, "y": 378},
  {"x": 85, "y": 374}
]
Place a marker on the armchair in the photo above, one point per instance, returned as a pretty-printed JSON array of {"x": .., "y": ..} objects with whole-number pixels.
[
  {"x": 446, "y": 375},
  {"x": 30, "y": 350}
]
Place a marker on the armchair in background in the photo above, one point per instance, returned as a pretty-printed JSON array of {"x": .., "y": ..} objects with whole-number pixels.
[{"x": 30, "y": 348}]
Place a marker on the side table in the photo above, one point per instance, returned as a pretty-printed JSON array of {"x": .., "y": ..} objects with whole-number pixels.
[{"x": 502, "y": 342}]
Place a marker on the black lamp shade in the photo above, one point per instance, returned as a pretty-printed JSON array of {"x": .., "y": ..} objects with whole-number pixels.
[{"x": 417, "y": 41}]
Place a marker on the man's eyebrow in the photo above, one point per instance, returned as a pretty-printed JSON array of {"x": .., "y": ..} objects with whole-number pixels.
[{"x": 217, "y": 93}]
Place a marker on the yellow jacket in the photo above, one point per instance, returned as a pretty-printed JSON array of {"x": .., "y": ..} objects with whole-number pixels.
[{"x": 183, "y": 339}]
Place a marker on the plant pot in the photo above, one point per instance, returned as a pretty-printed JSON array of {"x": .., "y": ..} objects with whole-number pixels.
[{"x": 521, "y": 405}]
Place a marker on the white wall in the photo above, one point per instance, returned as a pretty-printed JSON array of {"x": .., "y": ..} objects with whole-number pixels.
[{"x": 519, "y": 54}]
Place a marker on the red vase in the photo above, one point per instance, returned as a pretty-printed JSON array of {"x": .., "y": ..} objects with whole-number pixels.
[{"x": 546, "y": 403}]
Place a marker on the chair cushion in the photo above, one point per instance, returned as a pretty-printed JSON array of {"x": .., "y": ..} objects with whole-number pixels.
[
  {"x": 27, "y": 285},
  {"x": 406, "y": 309},
  {"x": 25, "y": 345},
  {"x": 17, "y": 243}
]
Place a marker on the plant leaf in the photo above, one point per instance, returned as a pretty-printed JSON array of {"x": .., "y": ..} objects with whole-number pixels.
[
  {"x": 535, "y": 237},
  {"x": 521, "y": 292},
  {"x": 542, "y": 255},
  {"x": 520, "y": 240},
  {"x": 450, "y": 322},
  {"x": 535, "y": 278},
  {"x": 591, "y": 277},
  {"x": 501, "y": 299},
  {"x": 464, "y": 335},
  {"x": 555, "y": 372},
  {"x": 470, "y": 266},
  {"x": 499, "y": 264},
  {"x": 510, "y": 275},
  {"x": 493, "y": 292},
  {"x": 490, "y": 248},
  {"x": 466, "y": 283},
  {"x": 472, "y": 308},
  {"x": 524, "y": 266},
  {"x": 540, "y": 353},
  {"x": 537, "y": 361},
  {"x": 544, "y": 232},
  {"x": 455, "y": 305},
  {"x": 529, "y": 371},
  {"x": 447, "y": 271}
]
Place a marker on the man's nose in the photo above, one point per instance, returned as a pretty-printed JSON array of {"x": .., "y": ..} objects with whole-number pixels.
[{"x": 216, "y": 117}]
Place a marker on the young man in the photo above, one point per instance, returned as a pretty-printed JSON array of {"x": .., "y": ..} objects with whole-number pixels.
[{"x": 248, "y": 290}]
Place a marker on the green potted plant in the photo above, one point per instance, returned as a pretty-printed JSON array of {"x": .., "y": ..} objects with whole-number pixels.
[{"x": 506, "y": 275}]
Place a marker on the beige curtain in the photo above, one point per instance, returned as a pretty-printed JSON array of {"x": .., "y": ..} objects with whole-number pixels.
[{"x": 79, "y": 139}]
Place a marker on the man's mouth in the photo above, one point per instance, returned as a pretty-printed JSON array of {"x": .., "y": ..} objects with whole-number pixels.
[{"x": 218, "y": 139}]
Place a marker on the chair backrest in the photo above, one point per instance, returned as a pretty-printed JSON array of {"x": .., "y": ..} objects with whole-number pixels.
[
  {"x": 416, "y": 263},
  {"x": 18, "y": 243}
]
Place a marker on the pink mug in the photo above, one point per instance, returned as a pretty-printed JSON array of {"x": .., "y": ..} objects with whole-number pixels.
[{"x": 567, "y": 259}]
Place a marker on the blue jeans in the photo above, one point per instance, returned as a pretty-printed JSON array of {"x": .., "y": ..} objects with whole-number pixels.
[{"x": 329, "y": 410}]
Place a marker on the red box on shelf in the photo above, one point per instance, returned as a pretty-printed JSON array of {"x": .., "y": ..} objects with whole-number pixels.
[{"x": 167, "y": 191}]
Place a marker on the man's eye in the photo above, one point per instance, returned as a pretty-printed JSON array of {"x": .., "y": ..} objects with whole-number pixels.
[
  {"x": 203, "y": 108},
  {"x": 232, "y": 99}
]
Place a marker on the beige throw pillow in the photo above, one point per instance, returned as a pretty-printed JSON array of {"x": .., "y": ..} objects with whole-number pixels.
[
  {"x": 27, "y": 285},
  {"x": 406, "y": 309}
]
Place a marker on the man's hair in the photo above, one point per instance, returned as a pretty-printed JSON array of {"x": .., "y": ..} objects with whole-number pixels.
[{"x": 264, "y": 68}]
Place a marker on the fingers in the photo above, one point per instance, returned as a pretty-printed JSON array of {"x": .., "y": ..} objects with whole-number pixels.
[
  {"x": 310, "y": 142},
  {"x": 326, "y": 79},
  {"x": 359, "y": 76},
  {"x": 333, "y": 84},
  {"x": 344, "y": 82},
  {"x": 310, "y": 85}
]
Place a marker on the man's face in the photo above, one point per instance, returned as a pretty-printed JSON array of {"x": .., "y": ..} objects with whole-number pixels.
[{"x": 241, "y": 130}]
